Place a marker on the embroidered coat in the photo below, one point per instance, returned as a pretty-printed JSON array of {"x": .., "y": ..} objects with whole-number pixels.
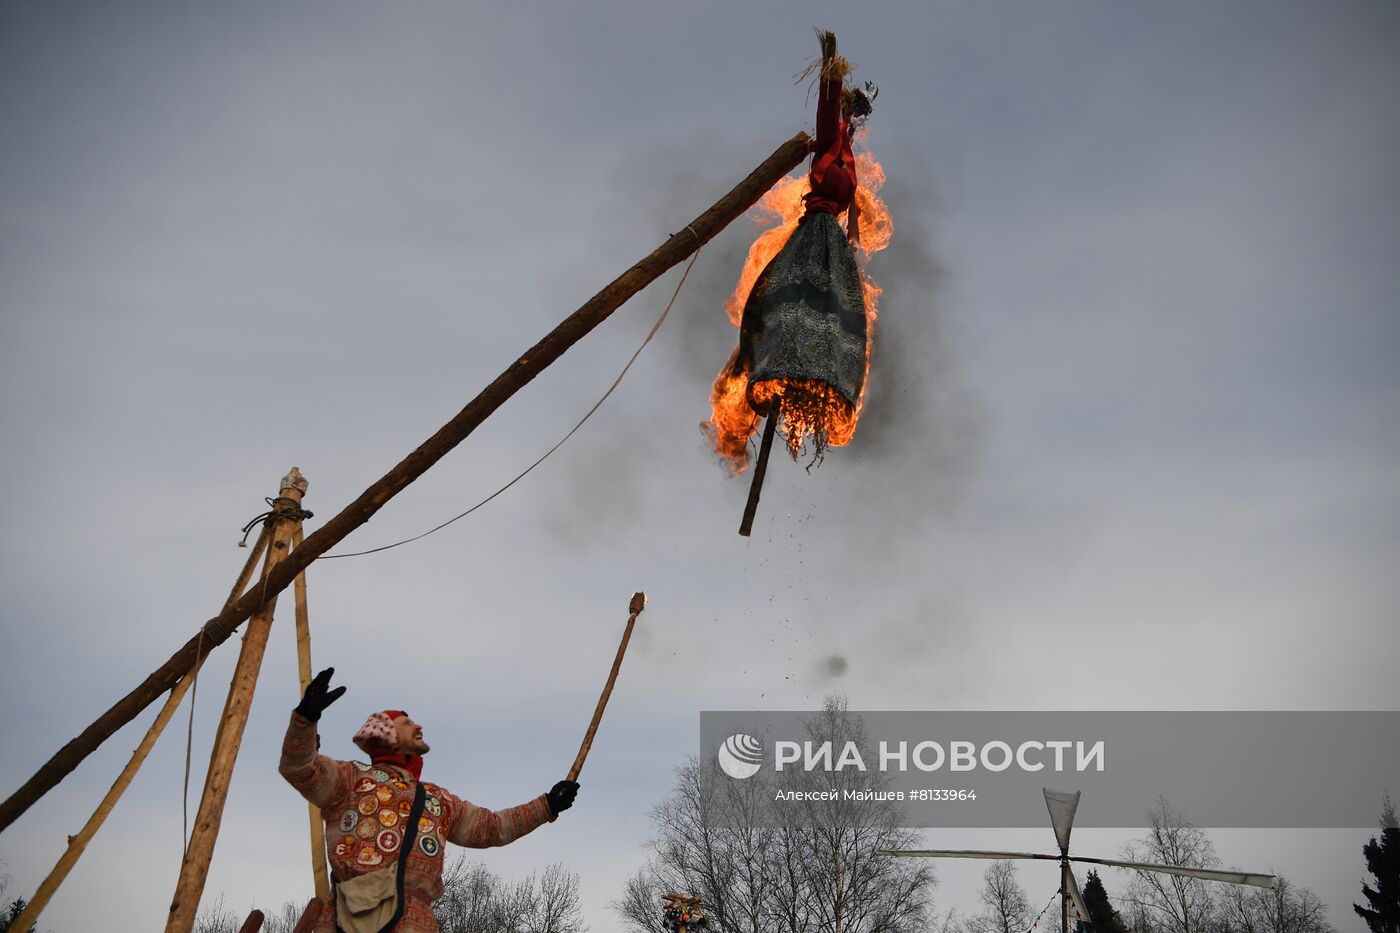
[{"x": 366, "y": 807}]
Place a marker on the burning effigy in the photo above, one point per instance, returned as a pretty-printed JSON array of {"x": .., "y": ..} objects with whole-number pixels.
[{"x": 804, "y": 306}]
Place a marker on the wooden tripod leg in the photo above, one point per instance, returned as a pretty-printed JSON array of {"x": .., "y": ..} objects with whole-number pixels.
[
  {"x": 770, "y": 427},
  {"x": 194, "y": 869},
  {"x": 319, "y": 877}
]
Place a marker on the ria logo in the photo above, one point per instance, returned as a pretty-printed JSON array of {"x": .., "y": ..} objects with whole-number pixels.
[{"x": 741, "y": 756}]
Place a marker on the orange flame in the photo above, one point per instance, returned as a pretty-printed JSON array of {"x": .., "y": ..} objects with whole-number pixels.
[{"x": 823, "y": 412}]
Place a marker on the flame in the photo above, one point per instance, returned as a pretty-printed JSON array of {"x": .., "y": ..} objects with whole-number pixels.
[{"x": 811, "y": 410}]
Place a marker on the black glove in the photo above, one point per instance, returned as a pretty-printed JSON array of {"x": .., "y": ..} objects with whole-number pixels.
[
  {"x": 318, "y": 695},
  {"x": 561, "y": 796}
]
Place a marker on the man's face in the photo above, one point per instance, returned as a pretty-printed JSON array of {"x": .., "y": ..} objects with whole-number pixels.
[{"x": 409, "y": 736}]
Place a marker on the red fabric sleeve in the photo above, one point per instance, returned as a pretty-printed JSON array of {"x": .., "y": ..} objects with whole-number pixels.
[
  {"x": 480, "y": 828},
  {"x": 321, "y": 780},
  {"x": 833, "y": 174}
]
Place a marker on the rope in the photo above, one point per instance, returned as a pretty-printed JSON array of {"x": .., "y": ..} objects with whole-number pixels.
[
  {"x": 1042, "y": 911},
  {"x": 279, "y": 507},
  {"x": 596, "y": 405}
]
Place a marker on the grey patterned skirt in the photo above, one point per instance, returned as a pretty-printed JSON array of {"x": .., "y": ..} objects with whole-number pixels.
[{"x": 805, "y": 318}]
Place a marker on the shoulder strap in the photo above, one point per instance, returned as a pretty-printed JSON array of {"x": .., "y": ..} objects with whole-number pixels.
[{"x": 410, "y": 834}]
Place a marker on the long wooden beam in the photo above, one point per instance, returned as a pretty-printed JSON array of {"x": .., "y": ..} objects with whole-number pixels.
[{"x": 596, "y": 310}]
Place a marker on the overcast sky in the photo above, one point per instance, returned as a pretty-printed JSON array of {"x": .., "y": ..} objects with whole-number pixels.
[{"x": 1131, "y": 439}]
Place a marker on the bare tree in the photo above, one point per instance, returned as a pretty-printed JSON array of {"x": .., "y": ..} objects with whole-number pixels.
[
  {"x": 708, "y": 843},
  {"x": 639, "y": 906},
  {"x": 477, "y": 900},
  {"x": 849, "y": 888},
  {"x": 284, "y": 919},
  {"x": 1005, "y": 907},
  {"x": 474, "y": 899},
  {"x": 1286, "y": 908},
  {"x": 950, "y": 921},
  {"x": 1138, "y": 918},
  {"x": 1171, "y": 902},
  {"x": 805, "y": 867},
  {"x": 555, "y": 906},
  {"x": 216, "y": 918}
]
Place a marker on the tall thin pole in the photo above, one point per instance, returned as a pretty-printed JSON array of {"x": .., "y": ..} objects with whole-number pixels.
[
  {"x": 574, "y": 328},
  {"x": 319, "y": 877},
  {"x": 634, "y": 609},
  {"x": 759, "y": 469},
  {"x": 194, "y": 868},
  {"x": 1064, "y": 894}
]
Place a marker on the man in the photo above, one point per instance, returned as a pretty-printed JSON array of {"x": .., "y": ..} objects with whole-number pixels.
[{"x": 378, "y": 820}]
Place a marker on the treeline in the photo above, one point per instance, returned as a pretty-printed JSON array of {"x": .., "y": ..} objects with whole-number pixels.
[
  {"x": 474, "y": 900},
  {"x": 818, "y": 871},
  {"x": 814, "y": 869}
]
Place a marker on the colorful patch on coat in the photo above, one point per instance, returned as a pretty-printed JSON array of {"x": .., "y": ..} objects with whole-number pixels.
[
  {"x": 365, "y": 786},
  {"x": 345, "y": 847},
  {"x": 367, "y": 805},
  {"x": 369, "y": 856},
  {"x": 348, "y": 819},
  {"x": 389, "y": 817},
  {"x": 381, "y": 776},
  {"x": 367, "y": 829},
  {"x": 388, "y": 841},
  {"x": 433, "y": 806},
  {"x": 429, "y": 845},
  {"x": 405, "y": 807},
  {"x": 384, "y": 794},
  {"x": 360, "y": 765},
  {"x": 425, "y": 825}
]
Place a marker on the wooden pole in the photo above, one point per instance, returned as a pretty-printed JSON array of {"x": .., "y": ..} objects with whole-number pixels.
[
  {"x": 597, "y": 309},
  {"x": 319, "y": 876},
  {"x": 253, "y": 924},
  {"x": 635, "y": 607},
  {"x": 760, "y": 467},
  {"x": 1064, "y": 895},
  {"x": 78, "y": 843},
  {"x": 194, "y": 868}
]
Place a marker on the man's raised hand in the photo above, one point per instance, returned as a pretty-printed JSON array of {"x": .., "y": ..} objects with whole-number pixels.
[{"x": 319, "y": 695}]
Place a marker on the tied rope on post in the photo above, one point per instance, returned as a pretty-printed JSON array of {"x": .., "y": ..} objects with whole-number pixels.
[
  {"x": 635, "y": 607},
  {"x": 278, "y": 507}
]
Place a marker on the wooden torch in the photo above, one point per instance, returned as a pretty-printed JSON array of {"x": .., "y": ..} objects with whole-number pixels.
[{"x": 634, "y": 608}]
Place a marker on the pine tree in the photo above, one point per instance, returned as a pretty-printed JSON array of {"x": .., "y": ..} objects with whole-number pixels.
[
  {"x": 1383, "y": 862},
  {"x": 1102, "y": 917}
]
